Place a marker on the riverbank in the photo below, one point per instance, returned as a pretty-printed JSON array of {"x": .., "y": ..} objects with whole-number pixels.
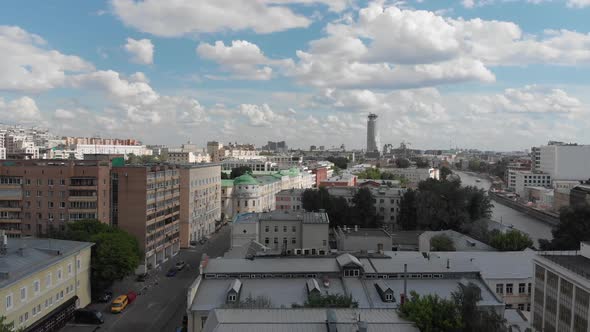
[{"x": 544, "y": 216}]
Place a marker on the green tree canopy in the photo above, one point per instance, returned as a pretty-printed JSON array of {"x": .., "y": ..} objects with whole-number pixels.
[
  {"x": 340, "y": 162},
  {"x": 475, "y": 319},
  {"x": 115, "y": 254},
  {"x": 441, "y": 243},
  {"x": 402, "y": 163},
  {"x": 133, "y": 159},
  {"x": 8, "y": 327},
  {"x": 444, "y": 172},
  {"x": 431, "y": 313},
  {"x": 330, "y": 301},
  {"x": 422, "y": 162},
  {"x": 512, "y": 240},
  {"x": 364, "y": 208},
  {"x": 573, "y": 228},
  {"x": 239, "y": 171}
]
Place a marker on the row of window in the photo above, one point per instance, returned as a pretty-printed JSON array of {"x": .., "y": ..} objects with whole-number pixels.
[
  {"x": 36, "y": 286},
  {"x": 522, "y": 288},
  {"x": 276, "y": 228}
]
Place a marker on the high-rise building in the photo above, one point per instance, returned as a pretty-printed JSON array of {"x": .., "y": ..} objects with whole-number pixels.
[
  {"x": 36, "y": 195},
  {"x": 372, "y": 134},
  {"x": 561, "y": 297},
  {"x": 146, "y": 203},
  {"x": 565, "y": 161}
]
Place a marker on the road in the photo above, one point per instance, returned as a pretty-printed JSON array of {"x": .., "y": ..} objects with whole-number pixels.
[
  {"x": 163, "y": 305},
  {"x": 506, "y": 215}
]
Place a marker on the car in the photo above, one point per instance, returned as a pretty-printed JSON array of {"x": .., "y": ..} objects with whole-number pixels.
[
  {"x": 105, "y": 297},
  {"x": 180, "y": 265},
  {"x": 172, "y": 272},
  {"x": 119, "y": 304},
  {"x": 141, "y": 277},
  {"x": 86, "y": 316},
  {"x": 131, "y": 296},
  {"x": 194, "y": 243}
]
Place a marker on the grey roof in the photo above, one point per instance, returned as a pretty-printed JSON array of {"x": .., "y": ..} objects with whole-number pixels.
[
  {"x": 462, "y": 242},
  {"x": 405, "y": 237},
  {"x": 575, "y": 263},
  {"x": 270, "y": 265},
  {"x": 364, "y": 232},
  {"x": 305, "y": 217},
  {"x": 382, "y": 285},
  {"x": 496, "y": 265},
  {"x": 235, "y": 286},
  {"x": 312, "y": 284},
  {"x": 26, "y": 256},
  {"x": 305, "y": 319},
  {"x": 421, "y": 263},
  {"x": 290, "y": 192},
  {"x": 346, "y": 259}
]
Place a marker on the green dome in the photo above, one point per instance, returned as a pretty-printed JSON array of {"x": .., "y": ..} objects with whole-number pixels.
[{"x": 245, "y": 179}]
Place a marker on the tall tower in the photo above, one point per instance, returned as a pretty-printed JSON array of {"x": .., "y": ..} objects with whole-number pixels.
[{"x": 372, "y": 134}]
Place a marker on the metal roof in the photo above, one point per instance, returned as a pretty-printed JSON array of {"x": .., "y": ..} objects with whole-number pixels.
[
  {"x": 496, "y": 265},
  {"x": 272, "y": 265},
  {"x": 346, "y": 259}
]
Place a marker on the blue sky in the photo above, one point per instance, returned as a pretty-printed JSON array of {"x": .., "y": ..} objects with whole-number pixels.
[{"x": 493, "y": 74}]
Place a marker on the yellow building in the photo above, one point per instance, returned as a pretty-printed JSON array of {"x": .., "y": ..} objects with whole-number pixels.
[{"x": 42, "y": 281}]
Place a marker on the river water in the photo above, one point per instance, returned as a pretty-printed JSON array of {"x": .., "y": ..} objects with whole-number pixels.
[{"x": 536, "y": 229}]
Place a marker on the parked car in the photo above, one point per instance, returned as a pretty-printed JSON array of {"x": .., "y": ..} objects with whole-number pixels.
[
  {"x": 172, "y": 272},
  {"x": 194, "y": 243},
  {"x": 180, "y": 265},
  {"x": 105, "y": 297},
  {"x": 131, "y": 296},
  {"x": 86, "y": 316},
  {"x": 119, "y": 304},
  {"x": 141, "y": 277}
]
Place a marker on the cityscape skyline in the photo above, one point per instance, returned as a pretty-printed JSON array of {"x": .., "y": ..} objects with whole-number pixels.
[{"x": 477, "y": 73}]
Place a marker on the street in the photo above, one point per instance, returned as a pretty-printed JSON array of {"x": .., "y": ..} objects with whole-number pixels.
[{"x": 162, "y": 305}]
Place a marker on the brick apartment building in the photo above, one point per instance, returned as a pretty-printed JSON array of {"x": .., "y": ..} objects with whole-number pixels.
[
  {"x": 146, "y": 203},
  {"x": 36, "y": 195}
]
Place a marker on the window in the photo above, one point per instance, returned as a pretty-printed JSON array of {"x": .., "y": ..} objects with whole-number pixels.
[
  {"x": 36, "y": 286},
  {"x": 500, "y": 288},
  {"x": 276, "y": 228},
  {"x": 285, "y": 229},
  {"x": 70, "y": 269},
  {"x": 266, "y": 240},
  {"x": 388, "y": 297},
  {"x": 508, "y": 288},
  {"x": 39, "y": 193},
  {"x": 62, "y": 205},
  {"x": 78, "y": 263},
  {"x": 529, "y": 288},
  {"x": 23, "y": 294},
  {"x": 267, "y": 228},
  {"x": 521, "y": 288},
  {"x": 324, "y": 243},
  {"x": 528, "y": 306},
  {"x": 50, "y": 182},
  {"x": 294, "y": 229},
  {"x": 39, "y": 182},
  {"x": 276, "y": 240},
  {"x": 59, "y": 275},
  {"x": 27, "y": 193},
  {"x": 62, "y": 182},
  {"x": 231, "y": 298},
  {"x": 521, "y": 306},
  {"x": 8, "y": 301},
  {"x": 294, "y": 240},
  {"x": 48, "y": 280}
]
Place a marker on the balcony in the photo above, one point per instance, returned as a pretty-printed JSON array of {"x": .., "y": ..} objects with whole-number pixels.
[
  {"x": 10, "y": 206},
  {"x": 10, "y": 194},
  {"x": 82, "y": 198}
]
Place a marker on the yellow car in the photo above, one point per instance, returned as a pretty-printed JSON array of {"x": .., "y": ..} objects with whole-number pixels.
[{"x": 119, "y": 304}]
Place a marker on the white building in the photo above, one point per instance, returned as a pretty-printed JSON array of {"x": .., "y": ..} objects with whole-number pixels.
[
  {"x": 561, "y": 295},
  {"x": 187, "y": 157},
  {"x": 414, "y": 175},
  {"x": 293, "y": 233},
  {"x": 285, "y": 161},
  {"x": 138, "y": 150},
  {"x": 519, "y": 180},
  {"x": 566, "y": 162},
  {"x": 2, "y": 153},
  {"x": 256, "y": 165}
]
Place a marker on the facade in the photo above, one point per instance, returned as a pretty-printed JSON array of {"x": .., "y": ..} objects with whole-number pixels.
[
  {"x": 138, "y": 150},
  {"x": 566, "y": 161},
  {"x": 219, "y": 152},
  {"x": 375, "y": 282},
  {"x": 372, "y": 134},
  {"x": 43, "y": 281},
  {"x": 285, "y": 161},
  {"x": 146, "y": 203},
  {"x": 187, "y": 157},
  {"x": 200, "y": 202},
  {"x": 256, "y": 165},
  {"x": 561, "y": 299},
  {"x": 276, "y": 146},
  {"x": 291, "y": 233},
  {"x": 344, "y": 180},
  {"x": 289, "y": 200},
  {"x": 2, "y": 153},
  {"x": 519, "y": 180},
  {"x": 414, "y": 175},
  {"x": 36, "y": 195},
  {"x": 71, "y": 140}
]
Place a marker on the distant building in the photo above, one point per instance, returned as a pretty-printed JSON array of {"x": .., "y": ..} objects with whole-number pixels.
[
  {"x": 256, "y": 165},
  {"x": 460, "y": 241},
  {"x": 276, "y": 146},
  {"x": 288, "y": 232},
  {"x": 359, "y": 240},
  {"x": 43, "y": 281},
  {"x": 561, "y": 297},
  {"x": 200, "y": 201},
  {"x": 580, "y": 195},
  {"x": 565, "y": 161},
  {"x": 344, "y": 180},
  {"x": 146, "y": 203},
  {"x": 372, "y": 133},
  {"x": 187, "y": 157},
  {"x": 289, "y": 200},
  {"x": 519, "y": 180},
  {"x": 414, "y": 175},
  {"x": 138, "y": 150}
]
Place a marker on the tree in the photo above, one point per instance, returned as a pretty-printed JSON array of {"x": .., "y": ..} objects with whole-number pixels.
[
  {"x": 573, "y": 228},
  {"x": 115, "y": 254},
  {"x": 364, "y": 208},
  {"x": 402, "y": 163},
  {"x": 430, "y": 313},
  {"x": 8, "y": 327},
  {"x": 475, "y": 319},
  {"x": 250, "y": 302},
  {"x": 512, "y": 240},
  {"x": 441, "y": 243},
  {"x": 341, "y": 162},
  {"x": 330, "y": 301},
  {"x": 444, "y": 172},
  {"x": 422, "y": 163},
  {"x": 239, "y": 171},
  {"x": 133, "y": 159},
  {"x": 407, "y": 211},
  {"x": 225, "y": 176}
]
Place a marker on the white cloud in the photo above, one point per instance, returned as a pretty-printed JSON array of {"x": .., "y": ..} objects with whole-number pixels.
[
  {"x": 578, "y": 3},
  {"x": 141, "y": 51},
  {"x": 182, "y": 17},
  {"x": 28, "y": 65},
  {"x": 64, "y": 114},
  {"x": 21, "y": 110},
  {"x": 260, "y": 115}
]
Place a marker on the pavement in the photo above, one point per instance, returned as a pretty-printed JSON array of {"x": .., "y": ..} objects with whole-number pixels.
[{"x": 161, "y": 300}]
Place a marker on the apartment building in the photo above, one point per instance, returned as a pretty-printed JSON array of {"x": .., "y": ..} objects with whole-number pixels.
[
  {"x": 561, "y": 297},
  {"x": 200, "y": 201},
  {"x": 2, "y": 153},
  {"x": 565, "y": 161},
  {"x": 519, "y": 180},
  {"x": 36, "y": 195},
  {"x": 289, "y": 200},
  {"x": 146, "y": 203},
  {"x": 71, "y": 140},
  {"x": 414, "y": 175},
  {"x": 43, "y": 281},
  {"x": 291, "y": 233},
  {"x": 187, "y": 157},
  {"x": 256, "y": 165},
  {"x": 138, "y": 150}
]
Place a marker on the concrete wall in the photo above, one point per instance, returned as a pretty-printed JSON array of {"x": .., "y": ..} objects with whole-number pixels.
[
  {"x": 315, "y": 236},
  {"x": 243, "y": 233}
]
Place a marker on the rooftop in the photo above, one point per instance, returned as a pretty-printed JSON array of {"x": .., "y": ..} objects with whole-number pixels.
[
  {"x": 496, "y": 265},
  {"x": 26, "y": 256},
  {"x": 245, "y": 179},
  {"x": 575, "y": 263},
  {"x": 304, "y": 320}
]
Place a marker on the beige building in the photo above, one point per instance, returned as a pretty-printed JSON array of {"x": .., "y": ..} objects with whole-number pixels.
[
  {"x": 200, "y": 201},
  {"x": 146, "y": 203},
  {"x": 187, "y": 157},
  {"x": 43, "y": 281}
]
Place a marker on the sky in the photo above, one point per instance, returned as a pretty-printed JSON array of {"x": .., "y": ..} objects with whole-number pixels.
[{"x": 488, "y": 74}]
